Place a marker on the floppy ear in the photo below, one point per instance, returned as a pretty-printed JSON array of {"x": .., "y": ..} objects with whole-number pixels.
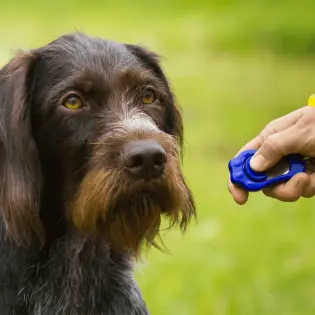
[
  {"x": 20, "y": 172},
  {"x": 151, "y": 61}
]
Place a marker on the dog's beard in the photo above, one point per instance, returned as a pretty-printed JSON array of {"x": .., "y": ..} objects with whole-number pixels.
[{"x": 127, "y": 213}]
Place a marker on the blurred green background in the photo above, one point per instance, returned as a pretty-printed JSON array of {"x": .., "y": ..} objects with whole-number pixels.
[{"x": 234, "y": 65}]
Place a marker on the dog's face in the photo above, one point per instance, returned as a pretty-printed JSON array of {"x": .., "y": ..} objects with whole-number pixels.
[{"x": 98, "y": 119}]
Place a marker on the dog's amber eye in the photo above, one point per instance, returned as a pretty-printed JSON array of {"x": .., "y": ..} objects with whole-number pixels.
[
  {"x": 73, "y": 102},
  {"x": 148, "y": 97}
]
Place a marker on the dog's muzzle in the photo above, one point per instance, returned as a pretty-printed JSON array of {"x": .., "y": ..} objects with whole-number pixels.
[
  {"x": 144, "y": 159},
  {"x": 144, "y": 151}
]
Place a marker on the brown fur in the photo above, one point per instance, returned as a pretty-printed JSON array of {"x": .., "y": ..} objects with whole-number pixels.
[
  {"x": 19, "y": 191},
  {"x": 108, "y": 205}
]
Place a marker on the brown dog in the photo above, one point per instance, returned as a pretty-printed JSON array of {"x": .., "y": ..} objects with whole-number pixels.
[{"x": 90, "y": 162}]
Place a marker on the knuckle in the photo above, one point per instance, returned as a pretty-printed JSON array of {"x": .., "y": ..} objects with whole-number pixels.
[
  {"x": 309, "y": 191},
  {"x": 271, "y": 145},
  {"x": 287, "y": 195},
  {"x": 308, "y": 194},
  {"x": 301, "y": 179},
  {"x": 268, "y": 192},
  {"x": 282, "y": 195},
  {"x": 293, "y": 197},
  {"x": 269, "y": 128},
  {"x": 305, "y": 135},
  {"x": 293, "y": 194},
  {"x": 304, "y": 129}
]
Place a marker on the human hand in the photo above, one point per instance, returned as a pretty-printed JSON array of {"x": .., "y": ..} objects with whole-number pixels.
[{"x": 292, "y": 133}]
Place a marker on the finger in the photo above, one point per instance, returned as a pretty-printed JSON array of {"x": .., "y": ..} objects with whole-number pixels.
[
  {"x": 282, "y": 123},
  {"x": 276, "y": 146},
  {"x": 240, "y": 196},
  {"x": 251, "y": 145},
  {"x": 290, "y": 191},
  {"x": 309, "y": 190},
  {"x": 275, "y": 126}
]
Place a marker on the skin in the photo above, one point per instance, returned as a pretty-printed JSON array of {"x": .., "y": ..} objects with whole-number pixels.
[{"x": 289, "y": 134}]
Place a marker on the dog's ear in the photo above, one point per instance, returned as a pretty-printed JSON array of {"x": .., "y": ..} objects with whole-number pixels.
[
  {"x": 20, "y": 171},
  {"x": 151, "y": 61}
]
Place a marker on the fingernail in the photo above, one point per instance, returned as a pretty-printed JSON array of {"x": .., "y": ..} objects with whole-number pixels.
[{"x": 258, "y": 162}]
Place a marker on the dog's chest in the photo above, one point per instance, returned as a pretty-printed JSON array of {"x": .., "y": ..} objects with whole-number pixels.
[{"x": 84, "y": 280}]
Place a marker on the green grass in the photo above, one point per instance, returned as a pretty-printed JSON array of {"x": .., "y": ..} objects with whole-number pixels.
[{"x": 234, "y": 65}]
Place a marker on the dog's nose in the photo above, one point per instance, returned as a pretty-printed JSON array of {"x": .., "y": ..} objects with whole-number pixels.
[{"x": 144, "y": 159}]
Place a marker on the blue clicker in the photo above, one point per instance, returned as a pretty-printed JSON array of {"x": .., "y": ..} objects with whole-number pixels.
[{"x": 241, "y": 173}]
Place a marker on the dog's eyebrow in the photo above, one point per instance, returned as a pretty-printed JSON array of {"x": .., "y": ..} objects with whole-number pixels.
[
  {"x": 56, "y": 91},
  {"x": 82, "y": 82},
  {"x": 138, "y": 77},
  {"x": 131, "y": 77}
]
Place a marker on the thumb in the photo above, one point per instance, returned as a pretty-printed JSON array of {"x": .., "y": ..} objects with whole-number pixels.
[{"x": 275, "y": 147}]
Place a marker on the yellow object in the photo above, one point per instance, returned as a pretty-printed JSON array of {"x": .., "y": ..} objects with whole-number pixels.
[{"x": 311, "y": 100}]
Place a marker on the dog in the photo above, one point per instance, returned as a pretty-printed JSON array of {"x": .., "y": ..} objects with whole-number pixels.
[{"x": 91, "y": 144}]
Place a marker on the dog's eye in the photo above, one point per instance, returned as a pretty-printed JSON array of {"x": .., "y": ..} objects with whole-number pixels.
[
  {"x": 73, "y": 102},
  {"x": 148, "y": 97}
]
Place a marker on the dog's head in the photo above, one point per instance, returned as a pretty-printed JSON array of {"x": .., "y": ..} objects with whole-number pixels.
[{"x": 91, "y": 123}]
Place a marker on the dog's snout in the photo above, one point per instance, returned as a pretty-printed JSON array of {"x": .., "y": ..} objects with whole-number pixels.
[{"x": 144, "y": 159}]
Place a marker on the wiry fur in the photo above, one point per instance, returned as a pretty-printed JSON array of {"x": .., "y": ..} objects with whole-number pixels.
[{"x": 72, "y": 219}]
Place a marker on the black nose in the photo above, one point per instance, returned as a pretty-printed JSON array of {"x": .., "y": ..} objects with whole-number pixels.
[{"x": 144, "y": 159}]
